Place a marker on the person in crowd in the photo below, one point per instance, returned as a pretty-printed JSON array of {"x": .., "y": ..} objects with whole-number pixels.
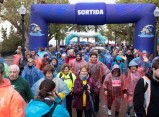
[
  {"x": 108, "y": 59},
  {"x": 17, "y": 57},
  {"x": 19, "y": 48},
  {"x": 143, "y": 61},
  {"x": 31, "y": 73},
  {"x": 23, "y": 62},
  {"x": 5, "y": 68},
  {"x": 47, "y": 99},
  {"x": 41, "y": 52},
  {"x": 85, "y": 56},
  {"x": 61, "y": 50},
  {"x": 115, "y": 52},
  {"x": 71, "y": 55},
  {"x": 133, "y": 76},
  {"x": 47, "y": 51},
  {"x": 114, "y": 87},
  {"x": 54, "y": 62},
  {"x": 101, "y": 57},
  {"x": 136, "y": 53},
  {"x": 146, "y": 96},
  {"x": 45, "y": 61},
  {"x": 98, "y": 71},
  {"x": 19, "y": 84},
  {"x": 83, "y": 91},
  {"x": 62, "y": 89},
  {"x": 122, "y": 62},
  {"x": 37, "y": 60},
  {"x": 63, "y": 57},
  {"x": 2, "y": 60},
  {"x": 129, "y": 55},
  {"x": 69, "y": 78},
  {"x": 11, "y": 102},
  {"x": 87, "y": 49},
  {"x": 77, "y": 63},
  {"x": 58, "y": 56},
  {"x": 120, "y": 52}
]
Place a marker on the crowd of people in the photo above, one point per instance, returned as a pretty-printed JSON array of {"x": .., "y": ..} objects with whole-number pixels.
[{"x": 49, "y": 84}]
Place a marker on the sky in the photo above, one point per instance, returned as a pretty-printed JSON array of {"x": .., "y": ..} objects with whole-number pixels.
[{"x": 106, "y": 1}]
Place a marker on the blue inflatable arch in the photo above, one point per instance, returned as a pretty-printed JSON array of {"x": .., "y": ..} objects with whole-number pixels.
[
  {"x": 93, "y": 14},
  {"x": 95, "y": 35}
]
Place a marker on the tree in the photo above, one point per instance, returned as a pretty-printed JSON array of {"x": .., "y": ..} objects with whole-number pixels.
[
  {"x": 11, "y": 14},
  {"x": 12, "y": 41},
  {"x": 4, "y": 33}
]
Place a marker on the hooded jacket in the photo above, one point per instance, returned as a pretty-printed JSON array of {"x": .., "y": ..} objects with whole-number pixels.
[
  {"x": 114, "y": 85},
  {"x": 76, "y": 65},
  {"x": 32, "y": 74},
  {"x": 11, "y": 103},
  {"x": 122, "y": 65},
  {"x": 97, "y": 70}
]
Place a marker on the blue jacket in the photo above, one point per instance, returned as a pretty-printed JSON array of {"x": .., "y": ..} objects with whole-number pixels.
[
  {"x": 32, "y": 74},
  {"x": 37, "y": 108}
]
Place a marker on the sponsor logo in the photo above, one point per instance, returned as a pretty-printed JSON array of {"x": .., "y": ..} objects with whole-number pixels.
[
  {"x": 147, "y": 31},
  {"x": 90, "y": 12},
  {"x": 116, "y": 83}
]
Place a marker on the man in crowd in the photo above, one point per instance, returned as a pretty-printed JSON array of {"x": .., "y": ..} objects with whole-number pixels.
[
  {"x": 98, "y": 72},
  {"x": 31, "y": 73},
  {"x": 19, "y": 83},
  {"x": 146, "y": 96}
]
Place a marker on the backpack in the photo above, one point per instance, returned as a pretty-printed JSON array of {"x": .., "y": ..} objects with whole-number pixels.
[
  {"x": 147, "y": 94},
  {"x": 37, "y": 108},
  {"x": 60, "y": 76}
]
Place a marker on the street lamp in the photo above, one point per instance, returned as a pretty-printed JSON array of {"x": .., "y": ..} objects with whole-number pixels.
[
  {"x": 22, "y": 11},
  {"x": 156, "y": 14},
  {"x": 129, "y": 33}
]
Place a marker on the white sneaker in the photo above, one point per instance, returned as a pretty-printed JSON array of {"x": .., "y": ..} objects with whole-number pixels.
[{"x": 109, "y": 112}]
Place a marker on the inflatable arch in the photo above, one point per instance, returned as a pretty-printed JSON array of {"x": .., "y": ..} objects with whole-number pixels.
[
  {"x": 93, "y": 14},
  {"x": 95, "y": 35}
]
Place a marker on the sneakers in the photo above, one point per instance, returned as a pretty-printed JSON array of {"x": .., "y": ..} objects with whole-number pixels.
[{"x": 109, "y": 112}]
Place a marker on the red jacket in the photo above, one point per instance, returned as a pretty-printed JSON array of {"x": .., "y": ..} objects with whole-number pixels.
[
  {"x": 76, "y": 65},
  {"x": 114, "y": 85}
]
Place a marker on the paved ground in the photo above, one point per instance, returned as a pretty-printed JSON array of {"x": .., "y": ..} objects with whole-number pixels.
[{"x": 103, "y": 107}]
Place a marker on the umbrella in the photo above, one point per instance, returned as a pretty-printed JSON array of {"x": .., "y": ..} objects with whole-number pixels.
[{"x": 99, "y": 47}]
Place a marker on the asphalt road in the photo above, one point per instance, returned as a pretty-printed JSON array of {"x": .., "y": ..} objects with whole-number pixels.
[{"x": 103, "y": 108}]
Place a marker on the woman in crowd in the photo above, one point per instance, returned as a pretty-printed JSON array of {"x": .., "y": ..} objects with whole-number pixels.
[
  {"x": 114, "y": 87},
  {"x": 134, "y": 75},
  {"x": 68, "y": 77},
  {"x": 45, "y": 104},
  {"x": 54, "y": 62},
  {"x": 62, "y": 89},
  {"x": 83, "y": 91}
]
